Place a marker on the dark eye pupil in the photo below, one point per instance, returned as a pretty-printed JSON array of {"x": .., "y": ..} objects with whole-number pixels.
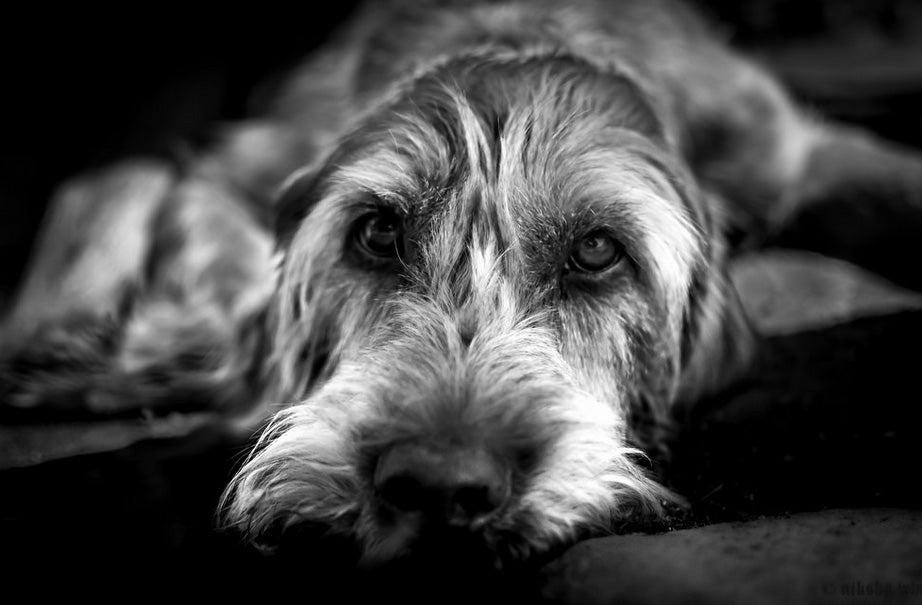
[
  {"x": 595, "y": 252},
  {"x": 380, "y": 235}
]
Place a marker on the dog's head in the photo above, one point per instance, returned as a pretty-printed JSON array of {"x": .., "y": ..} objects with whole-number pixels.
[{"x": 501, "y": 265}]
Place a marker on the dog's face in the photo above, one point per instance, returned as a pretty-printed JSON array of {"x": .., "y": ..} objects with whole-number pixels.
[{"x": 481, "y": 284}]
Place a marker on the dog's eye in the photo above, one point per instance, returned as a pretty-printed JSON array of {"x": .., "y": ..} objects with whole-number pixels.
[
  {"x": 595, "y": 252},
  {"x": 380, "y": 234}
]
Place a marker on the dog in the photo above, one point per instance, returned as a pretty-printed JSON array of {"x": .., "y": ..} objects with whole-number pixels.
[{"x": 466, "y": 269}]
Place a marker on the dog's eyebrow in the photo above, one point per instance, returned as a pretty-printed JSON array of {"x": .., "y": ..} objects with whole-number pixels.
[
  {"x": 388, "y": 178},
  {"x": 359, "y": 201},
  {"x": 366, "y": 193},
  {"x": 612, "y": 215}
]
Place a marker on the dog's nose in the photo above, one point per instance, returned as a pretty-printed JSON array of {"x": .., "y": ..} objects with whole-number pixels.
[{"x": 455, "y": 485}]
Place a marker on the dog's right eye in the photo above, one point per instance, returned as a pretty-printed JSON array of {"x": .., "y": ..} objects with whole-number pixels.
[
  {"x": 595, "y": 253},
  {"x": 380, "y": 234}
]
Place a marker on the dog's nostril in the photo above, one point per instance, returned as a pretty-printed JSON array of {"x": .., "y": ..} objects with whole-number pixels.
[
  {"x": 473, "y": 501},
  {"x": 458, "y": 486},
  {"x": 403, "y": 493}
]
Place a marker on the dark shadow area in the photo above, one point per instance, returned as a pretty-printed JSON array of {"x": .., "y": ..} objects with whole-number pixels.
[
  {"x": 826, "y": 420},
  {"x": 84, "y": 87}
]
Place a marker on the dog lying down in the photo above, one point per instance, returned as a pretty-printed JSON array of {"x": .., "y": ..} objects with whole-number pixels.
[{"x": 466, "y": 270}]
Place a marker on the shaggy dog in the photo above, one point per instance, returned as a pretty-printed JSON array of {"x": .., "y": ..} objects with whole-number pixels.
[{"x": 498, "y": 265}]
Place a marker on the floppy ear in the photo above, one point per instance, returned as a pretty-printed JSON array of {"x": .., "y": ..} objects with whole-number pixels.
[
  {"x": 719, "y": 341},
  {"x": 302, "y": 189},
  {"x": 298, "y": 195},
  {"x": 292, "y": 204},
  {"x": 716, "y": 344}
]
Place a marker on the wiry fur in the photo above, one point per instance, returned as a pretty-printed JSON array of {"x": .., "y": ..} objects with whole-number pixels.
[
  {"x": 501, "y": 133},
  {"x": 493, "y": 345}
]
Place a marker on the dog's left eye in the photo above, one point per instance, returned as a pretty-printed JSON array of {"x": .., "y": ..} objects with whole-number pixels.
[
  {"x": 595, "y": 252},
  {"x": 380, "y": 234}
]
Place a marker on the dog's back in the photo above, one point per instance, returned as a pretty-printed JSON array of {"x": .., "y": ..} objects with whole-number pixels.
[{"x": 725, "y": 114}]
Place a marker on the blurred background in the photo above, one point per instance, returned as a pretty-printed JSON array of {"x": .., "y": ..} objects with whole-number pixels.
[{"x": 82, "y": 88}]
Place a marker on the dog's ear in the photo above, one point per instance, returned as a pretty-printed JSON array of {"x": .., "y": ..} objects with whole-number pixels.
[
  {"x": 295, "y": 198},
  {"x": 719, "y": 342},
  {"x": 305, "y": 186}
]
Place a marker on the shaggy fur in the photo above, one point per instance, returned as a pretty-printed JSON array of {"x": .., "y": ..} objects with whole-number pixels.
[{"x": 500, "y": 135}]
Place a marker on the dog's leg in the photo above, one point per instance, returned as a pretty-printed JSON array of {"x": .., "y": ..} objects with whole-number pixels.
[
  {"x": 88, "y": 263},
  {"x": 91, "y": 251},
  {"x": 143, "y": 292}
]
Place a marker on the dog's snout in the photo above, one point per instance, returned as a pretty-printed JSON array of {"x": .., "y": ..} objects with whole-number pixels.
[{"x": 458, "y": 486}]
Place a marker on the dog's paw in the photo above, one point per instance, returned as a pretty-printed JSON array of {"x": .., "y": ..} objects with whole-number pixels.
[
  {"x": 155, "y": 361},
  {"x": 56, "y": 366},
  {"x": 786, "y": 291}
]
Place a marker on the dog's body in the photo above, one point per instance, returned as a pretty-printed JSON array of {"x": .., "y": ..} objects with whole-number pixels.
[{"x": 503, "y": 238}]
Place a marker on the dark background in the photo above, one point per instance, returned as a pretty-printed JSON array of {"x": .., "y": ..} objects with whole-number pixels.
[{"x": 80, "y": 89}]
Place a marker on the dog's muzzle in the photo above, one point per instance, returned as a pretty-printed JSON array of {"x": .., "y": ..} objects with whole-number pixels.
[{"x": 441, "y": 485}]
